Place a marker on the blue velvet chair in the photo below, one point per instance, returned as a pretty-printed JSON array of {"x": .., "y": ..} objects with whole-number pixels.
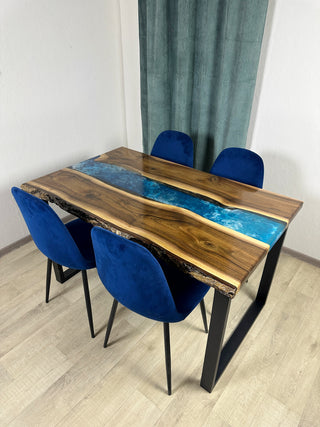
[
  {"x": 174, "y": 146},
  {"x": 67, "y": 245},
  {"x": 241, "y": 165},
  {"x": 135, "y": 278}
]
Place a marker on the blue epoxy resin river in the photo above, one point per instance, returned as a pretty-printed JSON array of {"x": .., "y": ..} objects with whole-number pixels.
[{"x": 254, "y": 225}]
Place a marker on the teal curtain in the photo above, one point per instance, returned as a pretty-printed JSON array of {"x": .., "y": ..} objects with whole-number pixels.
[{"x": 199, "y": 61}]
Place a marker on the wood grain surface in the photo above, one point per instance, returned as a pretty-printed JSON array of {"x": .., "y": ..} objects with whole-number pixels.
[
  {"x": 218, "y": 256},
  {"x": 225, "y": 191}
]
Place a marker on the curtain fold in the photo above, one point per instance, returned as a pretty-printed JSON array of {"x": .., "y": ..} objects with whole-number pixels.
[{"x": 198, "y": 61}]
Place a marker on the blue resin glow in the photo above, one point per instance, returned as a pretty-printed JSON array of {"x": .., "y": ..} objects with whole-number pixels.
[{"x": 260, "y": 227}]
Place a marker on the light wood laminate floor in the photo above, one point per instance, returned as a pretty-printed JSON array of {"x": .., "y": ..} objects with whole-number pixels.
[{"x": 52, "y": 372}]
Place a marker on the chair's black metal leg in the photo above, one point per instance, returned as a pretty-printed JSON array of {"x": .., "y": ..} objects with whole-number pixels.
[
  {"x": 268, "y": 271},
  {"x": 204, "y": 315},
  {"x": 48, "y": 279},
  {"x": 88, "y": 302},
  {"x": 166, "y": 332},
  {"x": 219, "y": 317},
  {"x": 110, "y": 322}
]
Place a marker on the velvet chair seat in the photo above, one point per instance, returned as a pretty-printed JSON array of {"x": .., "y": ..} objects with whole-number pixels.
[
  {"x": 186, "y": 291},
  {"x": 67, "y": 245},
  {"x": 174, "y": 146},
  {"x": 81, "y": 234},
  {"x": 136, "y": 279},
  {"x": 241, "y": 165}
]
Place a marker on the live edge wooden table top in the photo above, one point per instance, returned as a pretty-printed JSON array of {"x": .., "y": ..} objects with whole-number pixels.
[
  {"x": 213, "y": 228},
  {"x": 219, "y": 230}
]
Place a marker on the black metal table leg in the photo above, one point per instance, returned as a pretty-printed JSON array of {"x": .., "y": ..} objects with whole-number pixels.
[
  {"x": 268, "y": 271},
  {"x": 219, "y": 317},
  {"x": 216, "y": 359},
  {"x": 63, "y": 276}
]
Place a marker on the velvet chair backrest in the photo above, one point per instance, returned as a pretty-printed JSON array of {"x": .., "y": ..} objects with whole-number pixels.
[
  {"x": 174, "y": 146},
  {"x": 133, "y": 276},
  {"x": 240, "y": 165},
  {"x": 48, "y": 231}
]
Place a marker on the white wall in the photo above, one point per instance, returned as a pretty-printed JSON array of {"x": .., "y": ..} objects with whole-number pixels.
[
  {"x": 285, "y": 123},
  {"x": 70, "y": 88},
  {"x": 61, "y": 91},
  {"x": 131, "y": 71}
]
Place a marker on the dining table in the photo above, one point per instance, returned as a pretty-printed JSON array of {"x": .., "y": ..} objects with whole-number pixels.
[{"x": 215, "y": 229}]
